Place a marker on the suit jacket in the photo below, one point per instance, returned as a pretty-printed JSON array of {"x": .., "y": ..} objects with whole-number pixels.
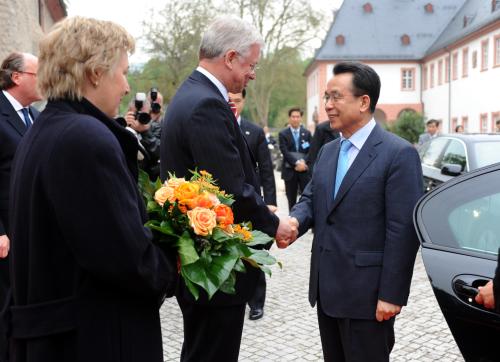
[
  {"x": 424, "y": 137},
  {"x": 256, "y": 140},
  {"x": 85, "y": 276},
  {"x": 322, "y": 135},
  {"x": 200, "y": 131},
  {"x": 12, "y": 129},
  {"x": 364, "y": 243},
  {"x": 287, "y": 147}
]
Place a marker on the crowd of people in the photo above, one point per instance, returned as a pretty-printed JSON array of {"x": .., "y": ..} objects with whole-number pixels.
[{"x": 86, "y": 281}]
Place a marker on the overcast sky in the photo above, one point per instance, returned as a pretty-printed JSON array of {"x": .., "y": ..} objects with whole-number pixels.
[{"x": 129, "y": 14}]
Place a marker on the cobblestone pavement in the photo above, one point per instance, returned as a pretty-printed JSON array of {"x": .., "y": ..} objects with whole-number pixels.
[{"x": 289, "y": 331}]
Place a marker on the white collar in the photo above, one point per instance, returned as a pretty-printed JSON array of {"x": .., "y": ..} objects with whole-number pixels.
[
  {"x": 359, "y": 138},
  {"x": 15, "y": 103},
  {"x": 222, "y": 89}
]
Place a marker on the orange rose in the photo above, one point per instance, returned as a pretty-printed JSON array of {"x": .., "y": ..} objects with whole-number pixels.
[
  {"x": 174, "y": 182},
  {"x": 186, "y": 191},
  {"x": 163, "y": 194},
  {"x": 224, "y": 214},
  {"x": 202, "y": 220}
]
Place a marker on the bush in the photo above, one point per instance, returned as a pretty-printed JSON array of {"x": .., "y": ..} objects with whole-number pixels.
[{"x": 409, "y": 126}]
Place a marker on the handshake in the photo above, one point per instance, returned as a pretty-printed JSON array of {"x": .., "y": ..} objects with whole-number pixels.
[{"x": 287, "y": 232}]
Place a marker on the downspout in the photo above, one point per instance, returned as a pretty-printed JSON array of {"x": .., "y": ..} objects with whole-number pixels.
[{"x": 449, "y": 90}]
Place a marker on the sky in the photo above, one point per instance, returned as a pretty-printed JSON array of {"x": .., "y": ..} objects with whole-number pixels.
[{"x": 129, "y": 14}]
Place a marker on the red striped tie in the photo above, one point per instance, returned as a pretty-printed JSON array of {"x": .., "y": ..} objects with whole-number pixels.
[{"x": 232, "y": 105}]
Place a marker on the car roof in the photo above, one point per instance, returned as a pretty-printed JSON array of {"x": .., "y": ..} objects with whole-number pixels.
[{"x": 473, "y": 137}]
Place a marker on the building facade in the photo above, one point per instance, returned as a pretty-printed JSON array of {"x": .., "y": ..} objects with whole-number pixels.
[
  {"x": 440, "y": 58},
  {"x": 23, "y": 22}
]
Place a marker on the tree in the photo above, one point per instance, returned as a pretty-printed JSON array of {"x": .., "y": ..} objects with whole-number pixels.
[{"x": 409, "y": 126}]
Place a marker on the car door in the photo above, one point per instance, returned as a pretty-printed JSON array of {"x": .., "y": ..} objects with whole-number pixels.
[
  {"x": 431, "y": 157},
  {"x": 458, "y": 225}
]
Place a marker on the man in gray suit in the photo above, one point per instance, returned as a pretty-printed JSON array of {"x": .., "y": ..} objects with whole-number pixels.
[
  {"x": 432, "y": 127},
  {"x": 360, "y": 201}
]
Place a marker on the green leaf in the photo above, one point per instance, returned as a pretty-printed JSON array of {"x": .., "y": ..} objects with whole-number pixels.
[
  {"x": 228, "y": 286},
  {"x": 220, "y": 235},
  {"x": 262, "y": 257},
  {"x": 240, "y": 266},
  {"x": 266, "y": 270},
  {"x": 165, "y": 227},
  {"x": 226, "y": 199},
  {"x": 259, "y": 238},
  {"x": 186, "y": 249},
  {"x": 191, "y": 287}
]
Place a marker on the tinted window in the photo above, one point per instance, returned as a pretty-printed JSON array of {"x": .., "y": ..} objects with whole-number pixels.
[
  {"x": 466, "y": 216},
  {"x": 455, "y": 154},
  {"x": 487, "y": 153},
  {"x": 432, "y": 155}
]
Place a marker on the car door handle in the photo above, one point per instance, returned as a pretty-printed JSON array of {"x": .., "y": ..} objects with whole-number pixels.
[
  {"x": 466, "y": 287},
  {"x": 462, "y": 288}
]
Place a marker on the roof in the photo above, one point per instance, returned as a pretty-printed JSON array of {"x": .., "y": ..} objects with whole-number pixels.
[
  {"x": 377, "y": 35},
  {"x": 478, "y": 15}
]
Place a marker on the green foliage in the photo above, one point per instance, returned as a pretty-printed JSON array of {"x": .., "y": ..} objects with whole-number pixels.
[{"x": 409, "y": 126}]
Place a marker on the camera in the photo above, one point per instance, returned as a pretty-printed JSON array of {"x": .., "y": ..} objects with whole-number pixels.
[
  {"x": 155, "y": 106},
  {"x": 141, "y": 117}
]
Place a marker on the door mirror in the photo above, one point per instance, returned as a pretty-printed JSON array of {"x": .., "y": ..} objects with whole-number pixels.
[{"x": 451, "y": 169}]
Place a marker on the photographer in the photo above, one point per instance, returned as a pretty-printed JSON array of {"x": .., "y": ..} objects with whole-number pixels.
[{"x": 139, "y": 122}]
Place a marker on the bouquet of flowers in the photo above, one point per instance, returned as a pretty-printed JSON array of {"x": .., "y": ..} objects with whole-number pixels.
[{"x": 195, "y": 218}]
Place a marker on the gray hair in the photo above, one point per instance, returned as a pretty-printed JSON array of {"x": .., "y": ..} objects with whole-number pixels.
[
  {"x": 13, "y": 63},
  {"x": 228, "y": 33}
]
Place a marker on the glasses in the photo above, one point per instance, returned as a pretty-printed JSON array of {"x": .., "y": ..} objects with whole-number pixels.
[
  {"x": 336, "y": 97},
  {"x": 253, "y": 67},
  {"x": 31, "y": 73}
]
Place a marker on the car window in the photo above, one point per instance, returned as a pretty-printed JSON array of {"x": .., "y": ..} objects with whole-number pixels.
[
  {"x": 487, "y": 153},
  {"x": 455, "y": 154},
  {"x": 432, "y": 156},
  {"x": 466, "y": 216}
]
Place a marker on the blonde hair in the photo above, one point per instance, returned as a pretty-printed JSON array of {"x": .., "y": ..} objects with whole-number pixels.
[{"x": 76, "y": 47}]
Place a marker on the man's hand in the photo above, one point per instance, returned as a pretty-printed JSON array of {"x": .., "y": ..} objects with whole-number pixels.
[
  {"x": 4, "y": 246},
  {"x": 272, "y": 208},
  {"x": 486, "y": 296},
  {"x": 287, "y": 232},
  {"x": 386, "y": 310},
  {"x": 301, "y": 166},
  {"x": 135, "y": 124}
]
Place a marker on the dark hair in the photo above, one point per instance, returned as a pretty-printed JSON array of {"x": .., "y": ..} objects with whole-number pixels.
[
  {"x": 295, "y": 109},
  {"x": 364, "y": 80},
  {"x": 458, "y": 127},
  {"x": 432, "y": 121},
  {"x": 13, "y": 63},
  {"x": 244, "y": 93},
  {"x": 497, "y": 122}
]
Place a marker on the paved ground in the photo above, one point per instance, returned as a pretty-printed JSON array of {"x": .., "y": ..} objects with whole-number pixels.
[{"x": 289, "y": 332}]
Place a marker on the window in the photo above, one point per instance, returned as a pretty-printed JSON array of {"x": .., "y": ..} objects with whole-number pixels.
[
  {"x": 465, "y": 62},
  {"x": 447, "y": 69},
  {"x": 340, "y": 40},
  {"x": 495, "y": 5},
  {"x": 483, "y": 120},
  {"x": 454, "y": 66},
  {"x": 455, "y": 154},
  {"x": 474, "y": 59},
  {"x": 432, "y": 75},
  {"x": 465, "y": 123},
  {"x": 407, "y": 79},
  {"x": 495, "y": 117},
  {"x": 433, "y": 155},
  {"x": 429, "y": 8},
  {"x": 484, "y": 55},
  {"x": 368, "y": 8},
  {"x": 424, "y": 76},
  {"x": 497, "y": 51},
  {"x": 440, "y": 72}
]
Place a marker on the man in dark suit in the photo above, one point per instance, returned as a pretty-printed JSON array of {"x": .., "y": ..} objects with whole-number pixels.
[
  {"x": 322, "y": 135},
  {"x": 294, "y": 143},
  {"x": 256, "y": 140},
  {"x": 18, "y": 91},
  {"x": 360, "y": 200},
  {"x": 200, "y": 131}
]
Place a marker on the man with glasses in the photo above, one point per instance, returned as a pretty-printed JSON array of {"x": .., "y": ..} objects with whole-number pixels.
[
  {"x": 200, "y": 131},
  {"x": 18, "y": 91},
  {"x": 360, "y": 201}
]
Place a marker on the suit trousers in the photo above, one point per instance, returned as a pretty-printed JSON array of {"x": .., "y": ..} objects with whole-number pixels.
[
  {"x": 355, "y": 340},
  {"x": 211, "y": 333},
  {"x": 259, "y": 296},
  {"x": 295, "y": 185}
]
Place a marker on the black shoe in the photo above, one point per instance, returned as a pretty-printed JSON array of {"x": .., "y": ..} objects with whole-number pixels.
[{"x": 255, "y": 314}]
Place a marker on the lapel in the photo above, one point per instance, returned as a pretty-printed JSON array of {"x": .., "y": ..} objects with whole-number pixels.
[
  {"x": 11, "y": 116},
  {"x": 365, "y": 156}
]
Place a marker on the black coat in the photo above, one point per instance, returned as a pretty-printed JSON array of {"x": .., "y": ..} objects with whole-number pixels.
[
  {"x": 322, "y": 135},
  {"x": 256, "y": 140},
  {"x": 200, "y": 131},
  {"x": 287, "y": 148},
  {"x": 87, "y": 282}
]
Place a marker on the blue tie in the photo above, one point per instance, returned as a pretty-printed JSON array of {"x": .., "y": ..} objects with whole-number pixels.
[
  {"x": 296, "y": 139},
  {"x": 342, "y": 165},
  {"x": 26, "y": 116}
]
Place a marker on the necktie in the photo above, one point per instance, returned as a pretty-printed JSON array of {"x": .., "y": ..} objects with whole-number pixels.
[
  {"x": 232, "y": 105},
  {"x": 342, "y": 165},
  {"x": 26, "y": 116},
  {"x": 296, "y": 139}
]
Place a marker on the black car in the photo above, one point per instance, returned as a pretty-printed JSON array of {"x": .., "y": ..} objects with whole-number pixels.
[
  {"x": 447, "y": 156},
  {"x": 458, "y": 225}
]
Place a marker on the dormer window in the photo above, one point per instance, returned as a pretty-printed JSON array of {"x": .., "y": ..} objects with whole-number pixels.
[
  {"x": 468, "y": 20},
  {"x": 495, "y": 5},
  {"x": 429, "y": 8},
  {"x": 368, "y": 8},
  {"x": 405, "y": 39},
  {"x": 340, "y": 40}
]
